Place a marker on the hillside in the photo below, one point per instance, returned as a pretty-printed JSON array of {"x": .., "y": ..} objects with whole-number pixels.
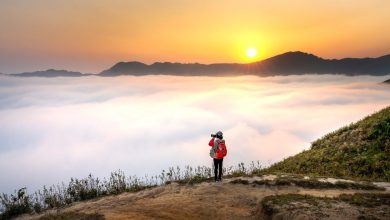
[
  {"x": 240, "y": 198},
  {"x": 387, "y": 81},
  {"x": 360, "y": 150}
]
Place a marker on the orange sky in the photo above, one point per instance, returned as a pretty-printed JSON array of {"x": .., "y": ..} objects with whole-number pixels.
[{"x": 92, "y": 35}]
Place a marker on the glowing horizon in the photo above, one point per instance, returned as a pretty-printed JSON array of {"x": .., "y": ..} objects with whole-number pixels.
[{"x": 90, "y": 36}]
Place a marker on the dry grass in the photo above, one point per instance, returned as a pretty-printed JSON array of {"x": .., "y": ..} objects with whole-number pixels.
[{"x": 72, "y": 216}]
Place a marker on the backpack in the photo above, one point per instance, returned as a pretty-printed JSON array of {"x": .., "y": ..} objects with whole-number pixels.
[
  {"x": 212, "y": 152},
  {"x": 220, "y": 151},
  {"x": 212, "y": 149}
]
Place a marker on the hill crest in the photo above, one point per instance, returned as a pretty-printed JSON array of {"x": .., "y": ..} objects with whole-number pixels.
[{"x": 360, "y": 150}]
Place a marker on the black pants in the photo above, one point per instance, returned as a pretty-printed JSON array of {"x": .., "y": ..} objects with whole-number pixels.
[{"x": 218, "y": 169}]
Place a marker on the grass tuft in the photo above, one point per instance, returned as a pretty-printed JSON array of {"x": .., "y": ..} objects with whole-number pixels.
[
  {"x": 239, "y": 181},
  {"x": 275, "y": 203}
]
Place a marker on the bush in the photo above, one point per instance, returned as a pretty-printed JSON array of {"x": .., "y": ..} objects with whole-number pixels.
[{"x": 15, "y": 205}]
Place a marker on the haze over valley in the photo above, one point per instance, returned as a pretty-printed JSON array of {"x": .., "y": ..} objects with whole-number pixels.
[{"x": 57, "y": 128}]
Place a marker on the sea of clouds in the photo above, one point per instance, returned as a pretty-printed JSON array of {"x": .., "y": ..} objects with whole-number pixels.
[{"x": 56, "y": 128}]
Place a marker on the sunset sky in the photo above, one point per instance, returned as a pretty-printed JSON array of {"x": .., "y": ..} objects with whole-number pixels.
[{"x": 92, "y": 35}]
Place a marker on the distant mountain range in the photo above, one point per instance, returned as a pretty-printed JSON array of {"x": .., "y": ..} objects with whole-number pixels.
[
  {"x": 284, "y": 64},
  {"x": 50, "y": 73},
  {"x": 289, "y": 63}
]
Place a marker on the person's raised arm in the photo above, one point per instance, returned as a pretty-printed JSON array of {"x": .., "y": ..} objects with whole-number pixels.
[{"x": 211, "y": 142}]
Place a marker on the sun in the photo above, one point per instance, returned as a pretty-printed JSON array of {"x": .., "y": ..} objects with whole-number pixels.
[{"x": 251, "y": 52}]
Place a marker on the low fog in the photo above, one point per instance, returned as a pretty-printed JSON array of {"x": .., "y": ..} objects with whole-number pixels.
[{"x": 56, "y": 128}]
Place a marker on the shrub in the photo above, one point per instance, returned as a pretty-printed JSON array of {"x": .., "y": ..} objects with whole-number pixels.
[{"x": 15, "y": 205}]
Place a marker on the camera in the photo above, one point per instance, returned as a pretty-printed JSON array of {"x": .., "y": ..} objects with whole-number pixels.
[{"x": 217, "y": 135}]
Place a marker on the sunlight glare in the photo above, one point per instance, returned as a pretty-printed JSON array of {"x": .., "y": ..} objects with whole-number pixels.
[{"x": 251, "y": 52}]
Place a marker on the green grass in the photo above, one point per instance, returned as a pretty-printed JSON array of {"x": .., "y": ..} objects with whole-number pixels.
[
  {"x": 272, "y": 204},
  {"x": 366, "y": 199},
  {"x": 359, "y": 151},
  {"x": 310, "y": 183}
]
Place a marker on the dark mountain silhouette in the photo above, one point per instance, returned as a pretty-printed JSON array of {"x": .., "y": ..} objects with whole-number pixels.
[
  {"x": 387, "y": 81},
  {"x": 283, "y": 64},
  {"x": 168, "y": 68},
  {"x": 50, "y": 73}
]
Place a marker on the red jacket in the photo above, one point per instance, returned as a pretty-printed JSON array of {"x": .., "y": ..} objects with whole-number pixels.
[{"x": 220, "y": 146}]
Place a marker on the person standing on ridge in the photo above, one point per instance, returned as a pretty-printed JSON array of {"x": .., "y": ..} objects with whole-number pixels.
[{"x": 218, "y": 151}]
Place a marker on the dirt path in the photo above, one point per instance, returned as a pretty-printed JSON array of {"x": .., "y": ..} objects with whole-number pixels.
[{"x": 200, "y": 201}]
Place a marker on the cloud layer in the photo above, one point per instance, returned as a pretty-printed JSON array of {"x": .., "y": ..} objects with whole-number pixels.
[{"x": 56, "y": 128}]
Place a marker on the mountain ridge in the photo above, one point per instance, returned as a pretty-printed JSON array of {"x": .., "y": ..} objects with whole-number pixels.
[
  {"x": 289, "y": 63},
  {"x": 50, "y": 73}
]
